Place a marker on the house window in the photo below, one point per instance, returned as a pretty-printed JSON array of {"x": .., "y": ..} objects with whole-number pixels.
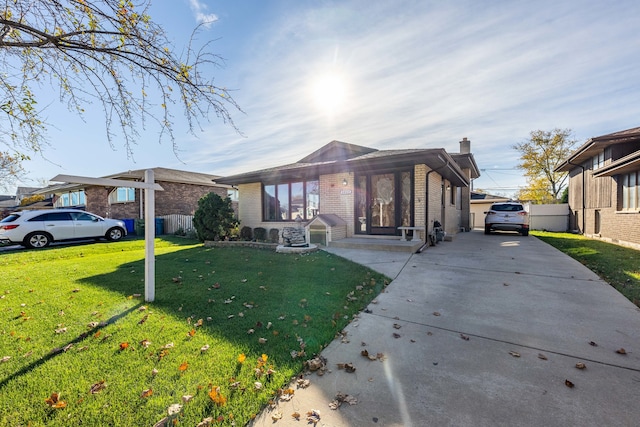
[
  {"x": 232, "y": 193},
  {"x": 288, "y": 201},
  {"x": 598, "y": 160},
  {"x": 631, "y": 191},
  {"x": 122, "y": 195},
  {"x": 72, "y": 198}
]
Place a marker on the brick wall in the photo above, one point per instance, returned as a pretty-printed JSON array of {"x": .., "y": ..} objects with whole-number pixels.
[
  {"x": 175, "y": 199},
  {"x": 419, "y": 207},
  {"x": 338, "y": 199}
]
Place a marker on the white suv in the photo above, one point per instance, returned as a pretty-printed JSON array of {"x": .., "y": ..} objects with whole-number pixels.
[
  {"x": 38, "y": 228},
  {"x": 507, "y": 216}
]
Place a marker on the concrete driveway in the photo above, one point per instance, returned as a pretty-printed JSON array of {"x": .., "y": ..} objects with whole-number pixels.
[{"x": 481, "y": 331}]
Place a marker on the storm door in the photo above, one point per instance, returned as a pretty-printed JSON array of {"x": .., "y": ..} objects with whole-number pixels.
[{"x": 383, "y": 202}]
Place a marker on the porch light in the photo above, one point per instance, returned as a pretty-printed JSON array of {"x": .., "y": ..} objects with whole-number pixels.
[{"x": 344, "y": 182}]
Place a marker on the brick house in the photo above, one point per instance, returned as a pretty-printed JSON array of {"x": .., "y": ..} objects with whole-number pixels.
[
  {"x": 182, "y": 190},
  {"x": 604, "y": 187},
  {"x": 373, "y": 191}
]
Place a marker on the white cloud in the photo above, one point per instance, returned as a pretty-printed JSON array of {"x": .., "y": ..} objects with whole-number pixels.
[{"x": 199, "y": 9}]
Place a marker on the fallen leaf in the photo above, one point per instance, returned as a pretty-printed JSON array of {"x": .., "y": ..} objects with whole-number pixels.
[
  {"x": 187, "y": 398},
  {"x": 581, "y": 365},
  {"x": 296, "y": 416},
  {"x": 124, "y": 346},
  {"x": 98, "y": 387},
  {"x": 5, "y": 359},
  {"x": 542, "y": 356},
  {"x": 397, "y": 326},
  {"x": 514, "y": 353},
  {"x": 146, "y": 393},
  {"x": 313, "y": 416},
  {"x": 568, "y": 383},
  {"x": 54, "y": 401},
  {"x": 61, "y": 330},
  {"x": 276, "y": 415},
  {"x": 204, "y": 348},
  {"x": 183, "y": 366},
  {"x": 464, "y": 337},
  {"x": 191, "y": 333},
  {"x": 591, "y": 343},
  {"x": 262, "y": 340},
  {"x": 395, "y": 335},
  {"x": 621, "y": 351}
]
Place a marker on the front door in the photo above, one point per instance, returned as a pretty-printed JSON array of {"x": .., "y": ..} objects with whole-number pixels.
[{"x": 383, "y": 202}]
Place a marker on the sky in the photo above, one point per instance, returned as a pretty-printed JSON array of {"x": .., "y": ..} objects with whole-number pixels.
[{"x": 382, "y": 74}]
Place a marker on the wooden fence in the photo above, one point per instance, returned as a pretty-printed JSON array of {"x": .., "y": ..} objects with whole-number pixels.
[{"x": 175, "y": 222}]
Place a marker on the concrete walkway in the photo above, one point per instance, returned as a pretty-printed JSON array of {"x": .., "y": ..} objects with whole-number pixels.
[{"x": 481, "y": 331}]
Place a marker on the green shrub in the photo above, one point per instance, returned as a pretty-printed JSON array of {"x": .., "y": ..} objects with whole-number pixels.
[
  {"x": 246, "y": 233},
  {"x": 260, "y": 234},
  {"x": 214, "y": 219},
  {"x": 274, "y": 235}
]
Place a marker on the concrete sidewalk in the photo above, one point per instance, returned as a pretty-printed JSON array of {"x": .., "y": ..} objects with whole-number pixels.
[{"x": 481, "y": 331}]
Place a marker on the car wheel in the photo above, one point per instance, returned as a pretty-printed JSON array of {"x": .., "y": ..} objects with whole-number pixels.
[
  {"x": 37, "y": 240},
  {"x": 114, "y": 234},
  {"x": 487, "y": 229},
  {"x": 525, "y": 232}
]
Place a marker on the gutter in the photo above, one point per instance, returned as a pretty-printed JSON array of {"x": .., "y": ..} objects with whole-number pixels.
[{"x": 426, "y": 210}]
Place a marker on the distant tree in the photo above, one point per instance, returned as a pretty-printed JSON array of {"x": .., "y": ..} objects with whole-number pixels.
[
  {"x": 10, "y": 168},
  {"x": 214, "y": 219},
  {"x": 31, "y": 199},
  {"x": 109, "y": 51},
  {"x": 537, "y": 191},
  {"x": 540, "y": 155},
  {"x": 565, "y": 195}
]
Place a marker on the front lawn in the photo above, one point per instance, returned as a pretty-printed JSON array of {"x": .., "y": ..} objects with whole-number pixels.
[
  {"x": 617, "y": 265},
  {"x": 228, "y": 329}
]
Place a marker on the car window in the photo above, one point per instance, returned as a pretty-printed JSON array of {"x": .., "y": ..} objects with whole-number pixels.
[
  {"x": 10, "y": 218},
  {"x": 506, "y": 208},
  {"x": 52, "y": 216},
  {"x": 83, "y": 216}
]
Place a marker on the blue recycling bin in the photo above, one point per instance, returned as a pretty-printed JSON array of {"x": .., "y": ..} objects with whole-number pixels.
[{"x": 159, "y": 226}]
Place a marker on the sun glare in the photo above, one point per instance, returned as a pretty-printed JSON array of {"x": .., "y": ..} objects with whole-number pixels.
[{"x": 329, "y": 92}]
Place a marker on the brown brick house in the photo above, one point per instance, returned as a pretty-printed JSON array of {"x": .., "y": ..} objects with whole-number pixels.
[
  {"x": 375, "y": 192},
  {"x": 182, "y": 190},
  {"x": 604, "y": 187}
]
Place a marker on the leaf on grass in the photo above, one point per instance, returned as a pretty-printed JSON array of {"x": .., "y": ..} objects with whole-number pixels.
[
  {"x": 146, "y": 393},
  {"x": 183, "y": 366},
  {"x": 61, "y": 330},
  {"x": 145, "y": 343},
  {"x": 216, "y": 397},
  {"x": 54, "y": 401},
  {"x": 124, "y": 346},
  {"x": 568, "y": 383},
  {"x": 621, "y": 351},
  {"x": 98, "y": 387},
  {"x": 191, "y": 333},
  {"x": 187, "y": 398},
  {"x": 204, "y": 348},
  {"x": 144, "y": 319},
  {"x": 241, "y": 358},
  {"x": 5, "y": 359},
  {"x": 262, "y": 340},
  {"x": 174, "y": 409}
]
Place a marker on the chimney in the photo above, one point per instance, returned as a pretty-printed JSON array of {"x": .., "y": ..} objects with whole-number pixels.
[{"x": 465, "y": 146}]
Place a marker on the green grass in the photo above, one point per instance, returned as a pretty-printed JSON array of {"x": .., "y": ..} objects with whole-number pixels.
[
  {"x": 67, "y": 312},
  {"x": 617, "y": 265}
]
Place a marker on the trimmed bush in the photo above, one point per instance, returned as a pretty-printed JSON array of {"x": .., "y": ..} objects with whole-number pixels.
[
  {"x": 274, "y": 235},
  {"x": 260, "y": 234},
  {"x": 214, "y": 219},
  {"x": 246, "y": 233}
]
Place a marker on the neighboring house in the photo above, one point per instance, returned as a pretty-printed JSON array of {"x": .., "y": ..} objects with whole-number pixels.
[
  {"x": 604, "y": 187},
  {"x": 372, "y": 191},
  {"x": 480, "y": 203},
  {"x": 182, "y": 190}
]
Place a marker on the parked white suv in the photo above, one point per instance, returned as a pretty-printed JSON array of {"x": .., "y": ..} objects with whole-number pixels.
[
  {"x": 38, "y": 228},
  {"x": 507, "y": 216}
]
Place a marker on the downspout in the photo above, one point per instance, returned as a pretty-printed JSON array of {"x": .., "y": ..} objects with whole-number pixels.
[
  {"x": 426, "y": 210},
  {"x": 584, "y": 205}
]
